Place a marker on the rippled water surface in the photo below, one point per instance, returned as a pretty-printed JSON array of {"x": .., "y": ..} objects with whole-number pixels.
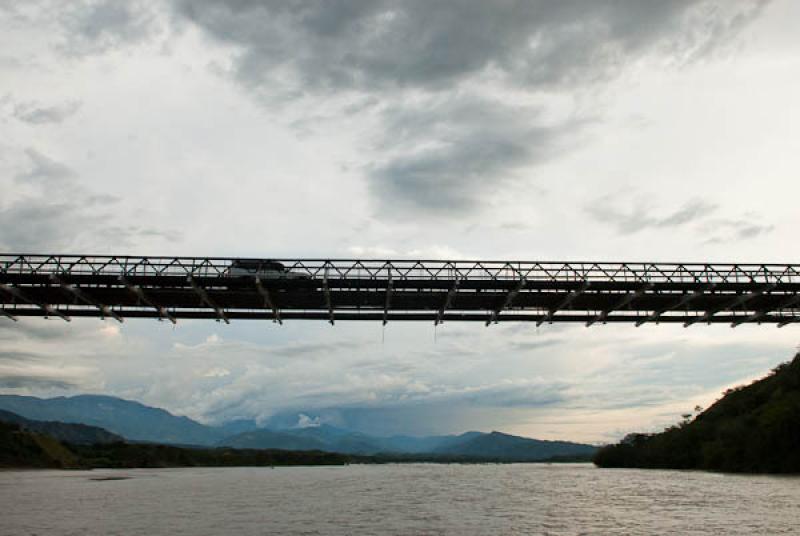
[{"x": 396, "y": 499}]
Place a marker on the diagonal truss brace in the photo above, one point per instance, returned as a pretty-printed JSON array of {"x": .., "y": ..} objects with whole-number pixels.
[
  {"x": 447, "y": 302},
  {"x": 137, "y": 291},
  {"x": 8, "y": 315},
  {"x": 757, "y": 317},
  {"x": 200, "y": 291},
  {"x": 268, "y": 303},
  {"x": 326, "y": 290},
  {"x": 388, "y": 302},
  {"x": 79, "y": 294},
  {"x": 735, "y": 302},
  {"x": 507, "y": 302},
  {"x": 20, "y": 295},
  {"x": 628, "y": 298},
  {"x": 564, "y": 303},
  {"x": 685, "y": 300}
]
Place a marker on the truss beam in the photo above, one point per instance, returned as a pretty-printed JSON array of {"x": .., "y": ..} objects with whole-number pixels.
[
  {"x": 402, "y": 289},
  {"x": 451, "y": 293},
  {"x": 268, "y": 303},
  {"x": 738, "y": 301},
  {"x": 8, "y": 315},
  {"x": 507, "y": 302},
  {"x": 686, "y": 275},
  {"x": 571, "y": 297},
  {"x": 684, "y": 301},
  {"x": 49, "y": 310},
  {"x": 388, "y": 302},
  {"x": 757, "y": 317},
  {"x": 81, "y": 295},
  {"x": 201, "y": 292},
  {"x": 326, "y": 290},
  {"x": 138, "y": 291},
  {"x": 627, "y": 299}
]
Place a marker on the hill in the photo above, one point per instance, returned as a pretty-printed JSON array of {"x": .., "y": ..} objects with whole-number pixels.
[
  {"x": 260, "y": 439},
  {"x": 65, "y": 432},
  {"x": 752, "y": 429},
  {"x": 21, "y": 448},
  {"x": 501, "y": 446},
  {"x": 473, "y": 446},
  {"x": 129, "y": 419}
]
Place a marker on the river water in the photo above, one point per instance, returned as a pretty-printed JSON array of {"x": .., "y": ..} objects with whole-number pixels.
[{"x": 396, "y": 499}]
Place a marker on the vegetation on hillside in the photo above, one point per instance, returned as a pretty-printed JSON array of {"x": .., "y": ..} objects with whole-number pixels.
[
  {"x": 23, "y": 448},
  {"x": 751, "y": 429},
  {"x": 62, "y": 431}
]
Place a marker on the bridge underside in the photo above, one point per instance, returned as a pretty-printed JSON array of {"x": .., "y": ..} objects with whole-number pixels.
[{"x": 386, "y": 291}]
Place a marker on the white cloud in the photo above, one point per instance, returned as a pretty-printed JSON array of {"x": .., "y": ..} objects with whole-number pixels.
[
  {"x": 216, "y": 372},
  {"x": 304, "y": 421}
]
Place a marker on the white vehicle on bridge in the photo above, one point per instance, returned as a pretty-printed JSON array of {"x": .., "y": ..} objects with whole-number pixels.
[{"x": 263, "y": 269}]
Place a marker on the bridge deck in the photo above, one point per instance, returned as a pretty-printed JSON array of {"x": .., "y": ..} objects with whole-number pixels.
[{"x": 170, "y": 288}]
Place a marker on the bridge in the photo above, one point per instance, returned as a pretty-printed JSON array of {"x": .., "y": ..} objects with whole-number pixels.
[{"x": 172, "y": 288}]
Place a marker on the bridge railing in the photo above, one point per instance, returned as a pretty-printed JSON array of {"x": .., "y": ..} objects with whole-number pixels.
[{"x": 410, "y": 269}]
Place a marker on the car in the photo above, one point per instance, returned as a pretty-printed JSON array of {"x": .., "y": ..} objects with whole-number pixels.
[{"x": 263, "y": 269}]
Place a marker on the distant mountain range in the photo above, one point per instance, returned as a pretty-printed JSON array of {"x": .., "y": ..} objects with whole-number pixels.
[
  {"x": 137, "y": 422},
  {"x": 129, "y": 419},
  {"x": 470, "y": 445}
]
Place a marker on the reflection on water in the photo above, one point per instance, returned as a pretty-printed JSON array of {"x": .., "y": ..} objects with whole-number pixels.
[{"x": 397, "y": 499}]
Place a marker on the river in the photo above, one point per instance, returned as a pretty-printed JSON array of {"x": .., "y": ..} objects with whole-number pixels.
[{"x": 396, "y": 499}]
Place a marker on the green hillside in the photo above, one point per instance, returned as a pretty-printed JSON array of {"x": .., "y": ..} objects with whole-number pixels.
[
  {"x": 752, "y": 429},
  {"x": 64, "y": 432},
  {"x": 22, "y": 448}
]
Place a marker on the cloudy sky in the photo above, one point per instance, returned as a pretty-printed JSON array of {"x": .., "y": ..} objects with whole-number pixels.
[{"x": 525, "y": 130}]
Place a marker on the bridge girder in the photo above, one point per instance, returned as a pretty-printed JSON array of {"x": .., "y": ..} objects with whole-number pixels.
[
  {"x": 268, "y": 304},
  {"x": 439, "y": 291},
  {"x": 201, "y": 292},
  {"x": 19, "y": 294},
  {"x": 137, "y": 291},
  {"x": 509, "y": 299}
]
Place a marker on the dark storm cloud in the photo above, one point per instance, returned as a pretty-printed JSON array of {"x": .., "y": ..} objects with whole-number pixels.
[
  {"x": 39, "y": 225},
  {"x": 57, "y": 212},
  {"x": 36, "y": 114},
  {"x": 435, "y": 413},
  {"x": 46, "y": 172},
  {"x": 365, "y": 44},
  {"x": 33, "y": 382},
  {"x": 428, "y": 420},
  {"x": 35, "y": 225},
  {"x": 13, "y": 356},
  {"x": 92, "y": 26},
  {"x": 642, "y": 216},
  {"x": 724, "y": 231},
  {"x": 314, "y": 350},
  {"x": 745, "y": 230},
  {"x": 438, "y": 157},
  {"x": 515, "y": 394},
  {"x": 529, "y": 346},
  {"x": 83, "y": 27},
  {"x": 454, "y": 151},
  {"x": 32, "y": 330}
]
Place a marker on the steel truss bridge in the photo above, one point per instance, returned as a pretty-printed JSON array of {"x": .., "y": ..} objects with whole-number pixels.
[{"x": 172, "y": 288}]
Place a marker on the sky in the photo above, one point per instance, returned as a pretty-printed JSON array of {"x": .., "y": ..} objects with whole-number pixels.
[{"x": 515, "y": 130}]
